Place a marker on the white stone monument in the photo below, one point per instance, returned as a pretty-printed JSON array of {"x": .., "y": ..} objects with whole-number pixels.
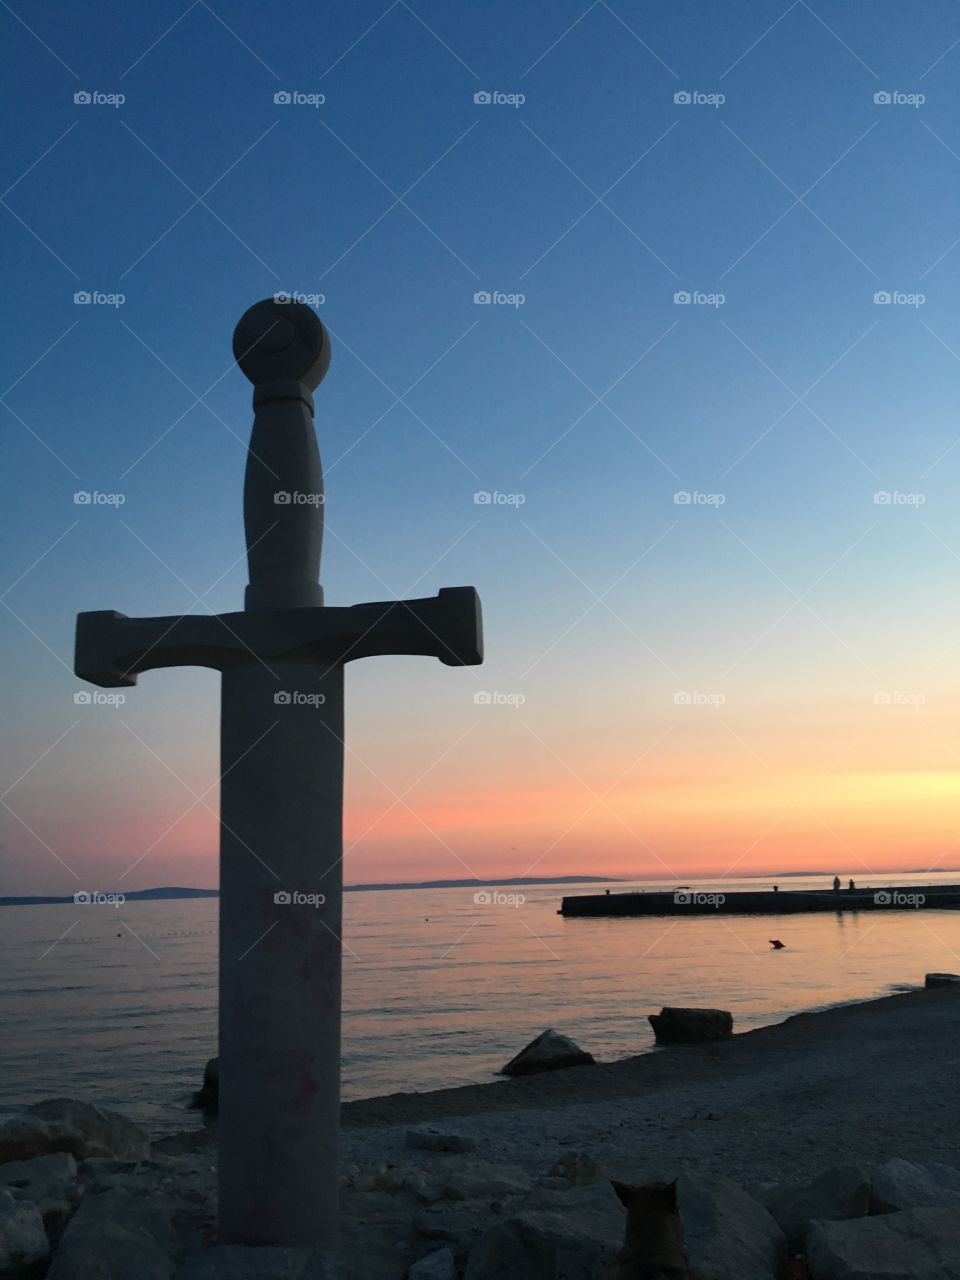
[{"x": 281, "y": 843}]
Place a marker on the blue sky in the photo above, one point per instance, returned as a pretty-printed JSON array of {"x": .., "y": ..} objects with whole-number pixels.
[{"x": 598, "y": 198}]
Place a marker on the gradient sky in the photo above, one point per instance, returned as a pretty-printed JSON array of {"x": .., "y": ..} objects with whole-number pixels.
[{"x": 815, "y": 630}]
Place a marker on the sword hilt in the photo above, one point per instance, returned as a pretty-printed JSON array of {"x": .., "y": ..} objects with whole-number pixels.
[{"x": 284, "y": 350}]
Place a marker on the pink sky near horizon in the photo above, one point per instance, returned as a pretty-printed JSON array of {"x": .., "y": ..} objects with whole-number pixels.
[{"x": 694, "y": 799}]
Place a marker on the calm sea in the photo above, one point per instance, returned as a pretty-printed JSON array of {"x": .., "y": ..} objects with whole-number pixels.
[{"x": 119, "y": 1006}]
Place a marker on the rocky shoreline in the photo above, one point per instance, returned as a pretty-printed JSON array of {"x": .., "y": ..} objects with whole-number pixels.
[{"x": 847, "y": 1117}]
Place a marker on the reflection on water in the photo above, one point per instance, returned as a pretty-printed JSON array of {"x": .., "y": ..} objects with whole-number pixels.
[{"x": 120, "y": 1006}]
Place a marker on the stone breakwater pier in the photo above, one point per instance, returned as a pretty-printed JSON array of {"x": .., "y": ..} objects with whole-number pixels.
[{"x": 761, "y": 902}]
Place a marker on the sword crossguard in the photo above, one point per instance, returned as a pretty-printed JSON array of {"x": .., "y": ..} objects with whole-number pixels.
[{"x": 112, "y": 649}]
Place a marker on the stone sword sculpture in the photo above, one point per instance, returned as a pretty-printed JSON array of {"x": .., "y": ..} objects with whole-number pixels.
[{"x": 281, "y": 662}]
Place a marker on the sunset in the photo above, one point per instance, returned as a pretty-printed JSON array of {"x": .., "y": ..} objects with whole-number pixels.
[{"x": 480, "y": 780}]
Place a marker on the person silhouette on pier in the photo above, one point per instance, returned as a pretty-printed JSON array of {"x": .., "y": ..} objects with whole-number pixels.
[
  {"x": 836, "y": 884},
  {"x": 851, "y": 886}
]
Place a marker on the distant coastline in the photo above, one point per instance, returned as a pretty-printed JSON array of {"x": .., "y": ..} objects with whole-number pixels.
[
  {"x": 168, "y": 892},
  {"x": 173, "y": 891}
]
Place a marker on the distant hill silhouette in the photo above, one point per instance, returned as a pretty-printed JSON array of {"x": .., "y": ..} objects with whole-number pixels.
[{"x": 148, "y": 895}]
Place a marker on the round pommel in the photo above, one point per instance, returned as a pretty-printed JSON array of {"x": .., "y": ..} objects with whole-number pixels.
[{"x": 282, "y": 341}]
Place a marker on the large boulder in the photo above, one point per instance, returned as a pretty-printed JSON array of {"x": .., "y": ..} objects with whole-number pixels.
[
  {"x": 920, "y": 1244},
  {"x": 941, "y": 979},
  {"x": 51, "y": 1176},
  {"x": 549, "y": 1051},
  {"x": 570, "y": 1234},
  {"x": 901, "y": 1184},
  {"x": 207, "y": 1097},
  {"x": 49, "y": 1182},
  {"x": 539, "y": 1246},
  {"x": 79, "y": 1128},
  {"x": 691, "y": 1026},
  {"x": 118, "y": 1235},
  {"x": 23, "y": 1239},
  {"x": 838, "y": 1193},
  {"x": 458, "y": 1224},
  {"x": 26, "y": 1137},
  {"x": 727, "y": 1235}
]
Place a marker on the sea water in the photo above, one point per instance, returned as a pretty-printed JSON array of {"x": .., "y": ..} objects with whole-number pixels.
[{"x": 118, "y": 1005}]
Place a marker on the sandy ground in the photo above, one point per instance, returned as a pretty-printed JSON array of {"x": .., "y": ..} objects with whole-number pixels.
[{"x": 859, "y": 1083}]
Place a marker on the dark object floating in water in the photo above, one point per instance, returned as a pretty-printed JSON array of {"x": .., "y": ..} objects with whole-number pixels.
[
  {"x": 759, "y": 902},
  {"x": 776, "y": 944}
]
